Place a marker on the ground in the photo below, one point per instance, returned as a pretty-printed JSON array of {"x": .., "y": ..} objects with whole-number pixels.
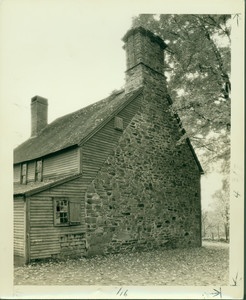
[{"x": 208, "y": 265}]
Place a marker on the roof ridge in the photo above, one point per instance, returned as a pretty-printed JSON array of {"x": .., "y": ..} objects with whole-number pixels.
[
  {"x": 131, "y": 97},
  {"x": 84, "y": 108},
  {"x": 70, "y": 129}
]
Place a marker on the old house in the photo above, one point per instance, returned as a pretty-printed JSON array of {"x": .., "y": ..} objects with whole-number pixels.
[{"x": 110, "y": 177}]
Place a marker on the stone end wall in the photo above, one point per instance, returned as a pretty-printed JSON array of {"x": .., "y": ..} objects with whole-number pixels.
[{"x": 147, "y": 194}]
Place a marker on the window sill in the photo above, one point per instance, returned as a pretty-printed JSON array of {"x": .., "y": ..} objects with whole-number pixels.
[
  {"x": 62, "y": 225},
  {"x": 67, "y": 224}
]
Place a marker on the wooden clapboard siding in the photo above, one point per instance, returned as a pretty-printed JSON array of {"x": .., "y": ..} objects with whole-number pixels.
[
  {"x": 44, "y": 236},
  {"x": 17, "y": 170},
  {"x": 98, "y": 147},
  {"x": 31, "y": 171},
  {"x": 96, "y": 150},
  {"x": 19, "y": 226},
  {"x": 64, "y": 163}
]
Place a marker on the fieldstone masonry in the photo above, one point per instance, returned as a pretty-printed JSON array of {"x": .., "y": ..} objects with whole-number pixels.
[
  {"x": 144, "y": 60},
  {"x": 147, "y": 193}
]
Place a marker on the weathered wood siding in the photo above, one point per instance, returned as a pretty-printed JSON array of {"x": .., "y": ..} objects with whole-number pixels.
[
  {"x": 63, "y": 164},
  {"x": 31, "y": 171},
  {"x": 19, "y": 226},
  {"x": 46, "y": 239},
  {"x": 17, "y": 169},
  {"x": 96, "y": 150}
]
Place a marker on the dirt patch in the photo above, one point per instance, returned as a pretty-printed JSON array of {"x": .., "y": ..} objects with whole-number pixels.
[{"x": 208, "y": 265}]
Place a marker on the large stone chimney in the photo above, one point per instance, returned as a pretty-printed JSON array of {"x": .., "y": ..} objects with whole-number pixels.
[
  {"x": 39, "y": 115},
  {"x": 144, "y": 57}
]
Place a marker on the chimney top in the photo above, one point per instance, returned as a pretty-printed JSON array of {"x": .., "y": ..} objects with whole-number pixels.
[
  {"x": 144, "y": 58},
  {"x": 153, "y": 37},
  {"x": 39, "y": 115},
  {"x": 39, "y": 99}
]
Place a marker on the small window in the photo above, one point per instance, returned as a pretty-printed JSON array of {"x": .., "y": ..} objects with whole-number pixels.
[
  {"x": 61, "y": 212},
  {"x": 38, "y": 170},
  {"x": 118, "y": 123},
  {"x": 24, "y": 173},
  {"x": 66, "y": 212}
]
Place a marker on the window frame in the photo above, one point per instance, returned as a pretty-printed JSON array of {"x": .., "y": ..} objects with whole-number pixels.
[
  {"x": 70, "y": 203},
  {"x": 37, "y": 172},
  {"x": 54, "y": 209},
  {"x": 22, "y": 176}
]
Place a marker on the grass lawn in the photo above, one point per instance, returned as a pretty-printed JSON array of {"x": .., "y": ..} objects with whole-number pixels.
[{"x": 208, "y": 265}]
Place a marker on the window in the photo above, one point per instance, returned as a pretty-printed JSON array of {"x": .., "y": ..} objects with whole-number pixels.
[
  {"x": 66, "y": 212},
  {"x": 24, "y": 173},
  {"x": 38, "y": 170},
  {"x": 118, "y": 123},
  {"x": 61, "y": 212}
]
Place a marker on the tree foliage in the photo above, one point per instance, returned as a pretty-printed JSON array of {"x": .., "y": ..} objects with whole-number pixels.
[
  {"x": 222, "y": 206},
  {"x": 197, "y": 66},
  {"x": 216, "y": 222}
]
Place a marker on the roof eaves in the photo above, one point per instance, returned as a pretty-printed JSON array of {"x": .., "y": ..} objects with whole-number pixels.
[
  {"x": 106, "y": 120},
  {"x": 187, "y": 139},
  {"x": 47, "y": 186},
  {"x": 195, "y": 156},
  {"x": 48, "y": 154},
  {"x": 73, "y": 144}
]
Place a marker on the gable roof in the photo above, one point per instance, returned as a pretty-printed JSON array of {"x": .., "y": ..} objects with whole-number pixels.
[
  {"x": 75, "y": 128},
  {"x": 71, "y": 129},
  {"x": 195, "y": 156}
]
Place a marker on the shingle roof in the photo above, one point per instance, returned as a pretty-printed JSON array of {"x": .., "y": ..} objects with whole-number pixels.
[{"x": 70, "y": 129}]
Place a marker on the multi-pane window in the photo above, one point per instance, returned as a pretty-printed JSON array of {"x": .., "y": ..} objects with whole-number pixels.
[
  {"x": 38, "y": 170},
  {"x": 66, "y": 211},
  {"x": 24, "y": 173},
  {"x": 61, "y": 212}
]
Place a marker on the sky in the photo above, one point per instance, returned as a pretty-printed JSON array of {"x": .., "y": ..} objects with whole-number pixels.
[{"x": 70, "y": 52}]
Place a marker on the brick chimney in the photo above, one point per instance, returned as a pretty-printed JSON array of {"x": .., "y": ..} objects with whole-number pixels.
[
  {"x": 144, "y": 58},
  {"x": 39, "y": 115}
]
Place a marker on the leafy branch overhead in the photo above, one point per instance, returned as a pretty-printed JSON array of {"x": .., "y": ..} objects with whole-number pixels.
[{"x": 198, "y": 73}]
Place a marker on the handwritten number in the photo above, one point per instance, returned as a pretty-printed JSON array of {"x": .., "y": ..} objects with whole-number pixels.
[
  {"x": 236, "y": 280},
  {"x": 122, "y": 292},
  {"x": 237, "y": 16},
  {"x": 236, "y": 194},
  {"x": 217, "y": 293}
]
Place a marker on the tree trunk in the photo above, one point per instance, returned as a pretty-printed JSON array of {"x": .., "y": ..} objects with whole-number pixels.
[
  {"x": 226, "y": 232},
  {"x": 218, "y": 229}
]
